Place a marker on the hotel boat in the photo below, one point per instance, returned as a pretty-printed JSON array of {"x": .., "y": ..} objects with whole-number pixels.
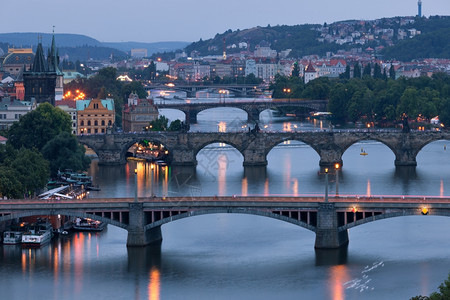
[
  {"x": 87, "y": 224},
  {"x": 38, "y": 235},
  {"x": 14, "y": 236}
]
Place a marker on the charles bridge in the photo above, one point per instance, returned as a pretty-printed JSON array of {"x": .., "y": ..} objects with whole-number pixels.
[
  {"x": 253, "y": 108},
  {"x": 254, "y": 146},
  {"x": 143, "y": 217}
]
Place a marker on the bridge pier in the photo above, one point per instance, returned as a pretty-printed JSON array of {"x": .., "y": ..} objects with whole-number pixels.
[
  {"x": 110, "y": 157},
  {"x": 254, "y": 157},
  {"x": 328, "y": 235},
  {"x": 183, "y": 157},
  {"x": 405, "y": 157},
  {"x": 191, "y": 117},
  {"x": 137, "y": 235}
]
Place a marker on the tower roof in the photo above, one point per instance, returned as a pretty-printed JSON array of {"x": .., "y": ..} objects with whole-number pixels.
[{"x": 39, "y": 65}]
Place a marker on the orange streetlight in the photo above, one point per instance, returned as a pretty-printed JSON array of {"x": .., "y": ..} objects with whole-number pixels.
[{"x": 337, "y": 166}]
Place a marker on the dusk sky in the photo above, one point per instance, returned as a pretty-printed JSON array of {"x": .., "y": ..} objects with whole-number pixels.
[{"x": 176, "y": 20}]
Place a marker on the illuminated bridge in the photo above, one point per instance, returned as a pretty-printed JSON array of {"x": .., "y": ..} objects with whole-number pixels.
[
  {"x": 253, "y": 108},
  {"x": 143, "y": 217}
]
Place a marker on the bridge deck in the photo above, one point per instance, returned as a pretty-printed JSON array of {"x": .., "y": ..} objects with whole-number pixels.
[{"x": 244, "y": 199}]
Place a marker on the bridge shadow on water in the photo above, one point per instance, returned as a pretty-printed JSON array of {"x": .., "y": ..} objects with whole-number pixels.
[
  {"x": 143, "y": 259},
  {"x": 331, "y": 257}
]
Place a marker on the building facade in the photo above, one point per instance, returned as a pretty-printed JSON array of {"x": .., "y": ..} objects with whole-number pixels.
[
  {"x": 12, "y": 110},
  {"x": 138, "y": 113},
  {"x": 95, "y": 115}
]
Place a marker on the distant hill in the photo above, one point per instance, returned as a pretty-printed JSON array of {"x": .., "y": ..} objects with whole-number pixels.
[
  {"x": 19, "y": 39},
  {"x": 151, "y": 47},
  {"x": 434, "y": 42},
  {"x": 82, "y": 47},
  {"x": 304, "y": 39}
]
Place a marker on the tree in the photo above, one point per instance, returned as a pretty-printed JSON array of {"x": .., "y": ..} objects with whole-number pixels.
[
  {"x": 295, "y": 70},
  {"x": 160, "y": 124},
  {"x": 133, "y": 87},
  {"x": 10, "y": 186},
  {"x": 175, "y": 125},
  {"x": 38, "y": 127},
  {"x": 22, "y": 172},
  {"x": 392, "y": 72},
  {"x": 367, "y": 70},
  {"x": 377, "y": 72},
  {"x": 357, "y": 70},
  {"x": 32, "y": 168},
  {"x": 346, "y": 74},
  {"x": 64, "y": 152}
]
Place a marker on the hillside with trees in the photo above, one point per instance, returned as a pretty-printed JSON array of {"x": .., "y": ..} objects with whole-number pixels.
[{"x": 306, "y": 39}]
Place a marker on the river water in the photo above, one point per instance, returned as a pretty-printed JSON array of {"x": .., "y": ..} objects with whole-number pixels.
[{"x": 226, "y": 256}]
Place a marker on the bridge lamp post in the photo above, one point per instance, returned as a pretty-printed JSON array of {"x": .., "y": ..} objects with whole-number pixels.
[
  {"x": 326, "y": 184},
  {"x": 337, "y": 166},
  {"x": 151, "y": 180},
  {"x": 288, "y": 92},
  {"x": 135, "y": 186}
]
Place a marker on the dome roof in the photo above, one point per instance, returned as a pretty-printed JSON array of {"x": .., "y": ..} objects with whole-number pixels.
[{"x": 18, "y": 59}]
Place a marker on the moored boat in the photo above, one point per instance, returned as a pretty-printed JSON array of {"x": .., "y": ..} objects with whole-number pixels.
[
  {"x": 12, "y": 237},
  {"x": 38, "y": 234},
  {"x": 87, "y": 224},
  {"x": 14, "y": 234}
]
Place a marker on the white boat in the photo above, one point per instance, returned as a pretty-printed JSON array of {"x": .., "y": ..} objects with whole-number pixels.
[
  {"x": 37, "y": 235},
  {"x": 12, "y": 237}
]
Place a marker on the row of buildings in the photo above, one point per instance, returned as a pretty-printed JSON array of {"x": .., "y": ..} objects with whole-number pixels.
[{"x": 28, "y": 79}]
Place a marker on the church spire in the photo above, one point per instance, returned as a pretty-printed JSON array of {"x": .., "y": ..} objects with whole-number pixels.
[{"x": 39, "y": 64}]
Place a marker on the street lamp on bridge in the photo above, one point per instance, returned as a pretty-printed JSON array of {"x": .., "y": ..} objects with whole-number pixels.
[
  {"x": 288, "y": 92},
  {"x": 135, "y": 186},
  {"x": 326, "y": 184}
]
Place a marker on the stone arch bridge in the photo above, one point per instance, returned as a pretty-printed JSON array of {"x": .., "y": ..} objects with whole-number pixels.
[
  {"x": 240, "y": 90},
  {"x": 143, "y": 218},
  {"x": 254, "y": 147},
  {"x": 252, "y": 108}
]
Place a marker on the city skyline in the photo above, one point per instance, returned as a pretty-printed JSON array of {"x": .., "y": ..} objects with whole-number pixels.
[{"x": 172, "y": 20}]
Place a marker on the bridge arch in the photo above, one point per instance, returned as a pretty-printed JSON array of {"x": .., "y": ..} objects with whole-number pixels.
[
  {"x": 410, "y": 212},
  {"x": 64, "y": 213},
  {"x": 217, "y": 140},
  {"x": 277, "y": 142},
  {"x": 361, "y": 139},
  {"x": 231, "y": 211},
  {"x": 132, "y": 142},
  {"x": 431, "y": 141}
]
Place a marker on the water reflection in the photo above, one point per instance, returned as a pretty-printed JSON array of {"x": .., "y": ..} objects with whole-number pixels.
[{"x": 331, "y": 257}]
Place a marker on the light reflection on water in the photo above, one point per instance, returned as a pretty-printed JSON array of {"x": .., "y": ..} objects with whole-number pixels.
[{"x": 243, "y": 256}]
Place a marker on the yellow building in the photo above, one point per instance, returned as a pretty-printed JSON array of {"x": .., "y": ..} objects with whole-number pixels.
[{"x": 95, "y": 115}]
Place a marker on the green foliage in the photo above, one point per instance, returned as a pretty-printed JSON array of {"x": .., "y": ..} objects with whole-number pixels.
[
  {"x": 375, "y": 99},
  {"x": 295, "y": 70},
  {"x": 434, "y": 44},
  {"x": 38, "y": 127},
  {"x": 134, "y": 87},
  {"x": 22, "y": 171},
  {"x": 175, "y": 125},
  {"x": 160, "y": 124},
  {"x": 64, "y": 152}
]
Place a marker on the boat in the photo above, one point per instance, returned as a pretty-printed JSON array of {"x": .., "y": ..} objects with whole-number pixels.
[
  {"x": 80, "y": 179},
  {"x": 14, "y": 235},
  {"x": 38, "y": 234},
  {"x": 86, "y": 224},
  {"x": 363, "y": 152}
]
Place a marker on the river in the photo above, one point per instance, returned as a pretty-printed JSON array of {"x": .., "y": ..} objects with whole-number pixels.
[{"x": 227, "y": 256}]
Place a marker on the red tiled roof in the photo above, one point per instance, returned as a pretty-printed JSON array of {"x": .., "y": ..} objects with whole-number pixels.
[{"x": 69, "y": 103}]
